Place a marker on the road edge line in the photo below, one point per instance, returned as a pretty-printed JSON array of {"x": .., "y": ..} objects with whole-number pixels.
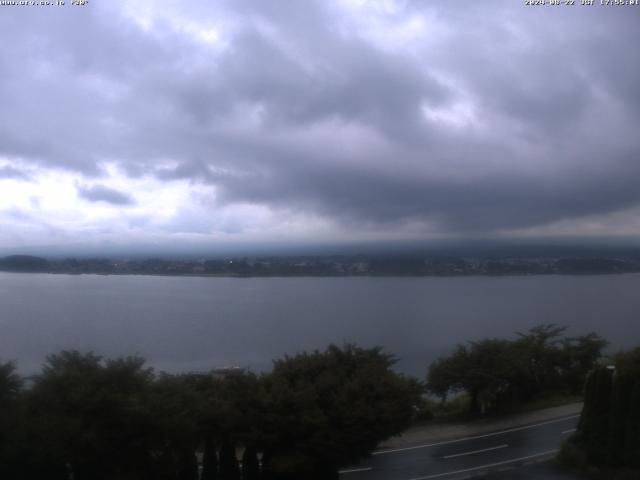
[
  {"x": 474, "y": 437},
  {"x": 490, "y": 465}
]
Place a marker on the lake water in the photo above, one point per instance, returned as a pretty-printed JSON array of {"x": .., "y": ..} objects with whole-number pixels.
[{"x": 190, "y": 323}]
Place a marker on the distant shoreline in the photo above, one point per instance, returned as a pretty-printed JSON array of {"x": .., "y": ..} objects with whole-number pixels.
[{"x": 328, "y": 266}]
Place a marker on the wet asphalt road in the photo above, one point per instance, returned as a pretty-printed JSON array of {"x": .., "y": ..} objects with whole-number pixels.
[{"x": 496, "y": 455}]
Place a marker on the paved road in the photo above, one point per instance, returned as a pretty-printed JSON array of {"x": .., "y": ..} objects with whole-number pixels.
[
  {"x": 539, "y": 471},
  {"x": 479, "y": 455}
]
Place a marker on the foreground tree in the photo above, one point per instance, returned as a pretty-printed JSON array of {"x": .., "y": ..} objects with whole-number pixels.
[
  {"x": 580, "y": 355},
  {"x": 483, "y": 370},
  {"x": 10, "y": 436},
  {"x": 332, "y": 408},
  {"x": 174, "y": 402},
  {"x": 209, "y": 460},
  {"x": 10, "y": 384},
  {"x": 88, "y": 416},
  {"x": 497, "y": 373},
  {"x": 250, "y": 464},
  {"x": 593, "y": 427},
  {"x": 609, "y": 428}
]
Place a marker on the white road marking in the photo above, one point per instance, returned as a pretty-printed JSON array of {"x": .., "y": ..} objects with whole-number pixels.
[
  {"x": 355, "y": 470},
  {"x": 564, "y": 432},
  {"x": 490, "y": 465},
  {"x": 464, "y": 439},
  {"x": 476, "y": 451}
]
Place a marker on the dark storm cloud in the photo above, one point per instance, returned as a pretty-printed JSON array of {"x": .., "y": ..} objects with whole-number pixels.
[
  {"x": 465, "y": 205},
  {"x": 100, "y": 193},
  {"x": 361, "y": 85},
  {"x": 494, "y": 117}
]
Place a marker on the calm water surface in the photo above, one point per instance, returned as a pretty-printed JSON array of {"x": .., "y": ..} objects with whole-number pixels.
[{"x": 188, "y": 323}]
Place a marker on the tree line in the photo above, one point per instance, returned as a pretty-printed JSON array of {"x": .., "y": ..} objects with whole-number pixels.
[
  {"x": 331, "y": 265},
  {"x": 84, "y": 417},
  {"x": 500, "y": 373}
]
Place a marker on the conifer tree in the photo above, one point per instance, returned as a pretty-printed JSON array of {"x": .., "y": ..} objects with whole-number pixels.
[
  {"x": 593, "y": 429},
  {"x": 632, "y": 434}
]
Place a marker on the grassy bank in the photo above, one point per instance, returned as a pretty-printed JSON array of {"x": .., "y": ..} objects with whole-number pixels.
[{"x": 457, "y": 408}]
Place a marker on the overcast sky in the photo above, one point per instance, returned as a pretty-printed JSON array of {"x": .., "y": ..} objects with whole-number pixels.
[{"x": 205, "y": 123}]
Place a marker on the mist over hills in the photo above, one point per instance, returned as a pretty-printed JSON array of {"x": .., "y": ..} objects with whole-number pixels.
[{"x": 484, "y": 248}]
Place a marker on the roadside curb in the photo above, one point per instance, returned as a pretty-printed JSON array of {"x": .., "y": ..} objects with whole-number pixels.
[{"x": 448, "y": 431}]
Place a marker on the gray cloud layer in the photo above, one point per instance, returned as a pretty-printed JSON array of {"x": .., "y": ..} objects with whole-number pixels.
[
  {"x": 8, "y": 171},
  {"x": 100, "y": 193},
  {"x": 495, "y": 117}
]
